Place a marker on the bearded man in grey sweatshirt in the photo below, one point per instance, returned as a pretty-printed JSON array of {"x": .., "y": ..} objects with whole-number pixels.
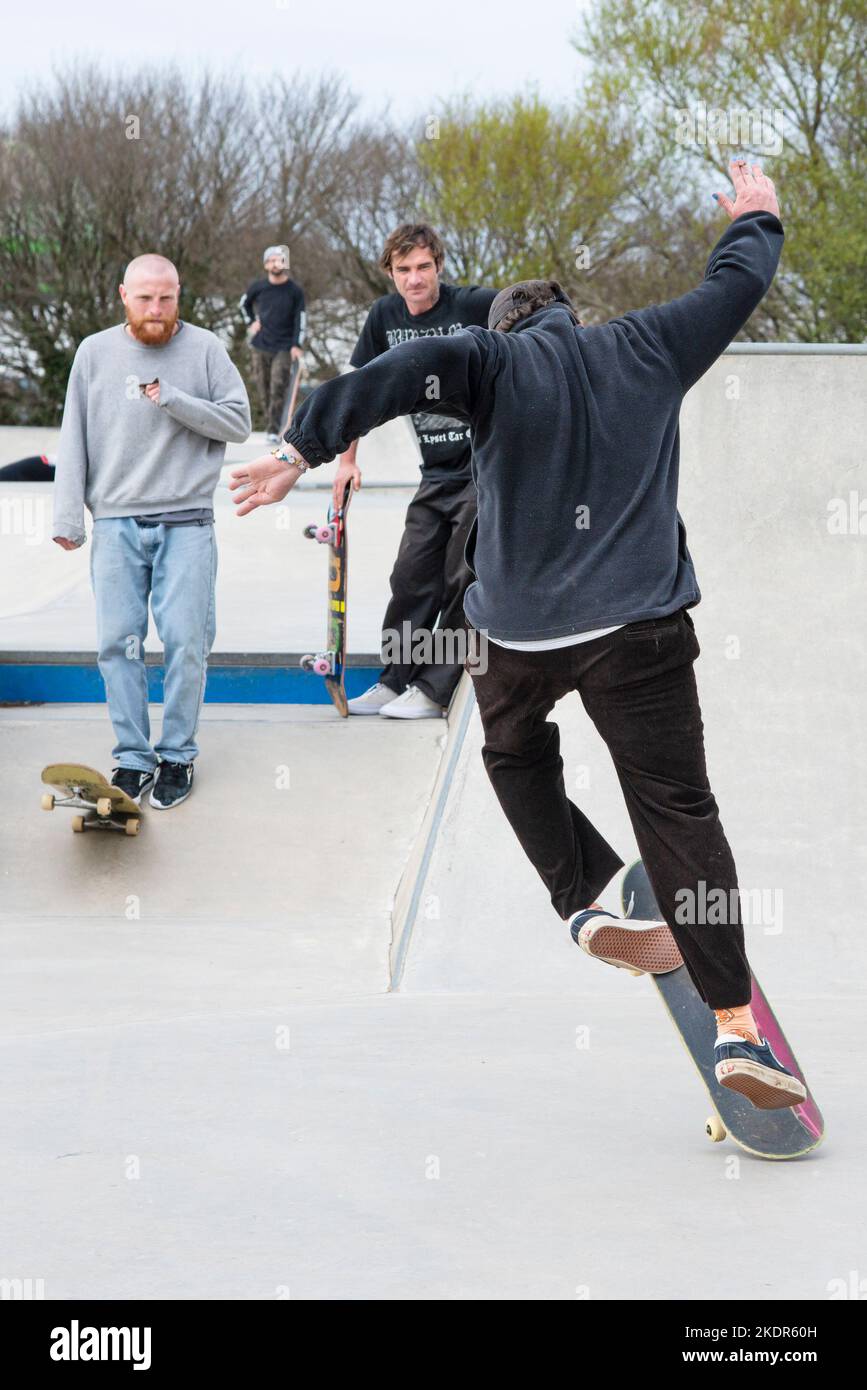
[{"x": 150, "y": 407}]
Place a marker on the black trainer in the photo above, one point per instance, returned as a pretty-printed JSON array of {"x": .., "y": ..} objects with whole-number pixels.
[
  {"x": 132, "y": 781},
  {"x": 173, "y": 785}
]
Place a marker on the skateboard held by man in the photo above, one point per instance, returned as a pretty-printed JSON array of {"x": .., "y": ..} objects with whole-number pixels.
[
  {"x": 331, "y": 662},
  {"x": 295, "y": 375}
]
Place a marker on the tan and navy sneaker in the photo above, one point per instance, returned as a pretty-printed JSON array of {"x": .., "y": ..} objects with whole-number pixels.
[
  {"x": 645, "y": 948},
  {"x": 745, "y": 1065}
]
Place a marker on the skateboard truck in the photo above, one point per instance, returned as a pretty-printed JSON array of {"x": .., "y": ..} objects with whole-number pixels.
[
  {"x": 106, "y": 806},
  {"x": 325, "y": 535},
  {"x": 323, "y": 663}
]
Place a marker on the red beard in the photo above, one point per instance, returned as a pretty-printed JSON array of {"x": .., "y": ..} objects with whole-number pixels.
[{"x": 151, "y": 332}]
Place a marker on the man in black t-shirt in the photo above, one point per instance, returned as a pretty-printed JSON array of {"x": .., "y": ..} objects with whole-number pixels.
[
  {"x": 430, "y": 575},
  {"x": 275, "y": 307}
]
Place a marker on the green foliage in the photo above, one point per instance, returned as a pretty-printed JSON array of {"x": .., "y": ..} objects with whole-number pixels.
[
  {"x": 609, "y": 194},
  {"x": 798, "y": 63},
  {"x": 517, "y": 188}
]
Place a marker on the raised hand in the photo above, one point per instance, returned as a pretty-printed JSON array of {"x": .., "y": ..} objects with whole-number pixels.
[{"x": 754, "y": 191}]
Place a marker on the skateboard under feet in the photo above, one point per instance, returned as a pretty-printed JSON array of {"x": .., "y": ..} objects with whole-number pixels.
[{"x": 784, "y": 1133}]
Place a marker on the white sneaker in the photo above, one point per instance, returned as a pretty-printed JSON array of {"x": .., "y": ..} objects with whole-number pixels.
[
  {"x": 372, "y": 701},
  {"x": 412, "y": 704}
]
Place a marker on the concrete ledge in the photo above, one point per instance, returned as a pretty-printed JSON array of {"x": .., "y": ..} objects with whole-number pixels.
[
  {"x": 280, "y": 659},
  {"x": 408, "y": 895},
  {"x": 263, "y": 679}
]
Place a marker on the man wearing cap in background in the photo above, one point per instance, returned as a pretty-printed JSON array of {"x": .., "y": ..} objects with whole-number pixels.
[{"x": 274, "y": 305}]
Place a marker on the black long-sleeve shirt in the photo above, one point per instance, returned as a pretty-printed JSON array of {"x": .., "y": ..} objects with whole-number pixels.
[
  {"x": 575, "y": 443},
  {"x": 281, "y": 312}
]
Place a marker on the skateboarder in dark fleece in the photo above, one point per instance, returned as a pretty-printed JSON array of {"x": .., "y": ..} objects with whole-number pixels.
[{"x": 584, "y": 582}]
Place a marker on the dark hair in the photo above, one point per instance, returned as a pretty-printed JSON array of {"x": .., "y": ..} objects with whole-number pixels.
[
  {"x": 405, "y": 237},
  {"x": 520, "y": 301}
]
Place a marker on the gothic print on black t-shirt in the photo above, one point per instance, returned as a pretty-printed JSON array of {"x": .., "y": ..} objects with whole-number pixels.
[{"x": 444, "y": 440}]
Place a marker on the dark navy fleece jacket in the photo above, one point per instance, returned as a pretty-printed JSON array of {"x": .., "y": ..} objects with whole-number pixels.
[{"x": 575, "y": 443}]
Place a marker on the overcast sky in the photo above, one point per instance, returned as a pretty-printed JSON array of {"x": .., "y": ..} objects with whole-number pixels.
[{"x": 414, "y": 55}]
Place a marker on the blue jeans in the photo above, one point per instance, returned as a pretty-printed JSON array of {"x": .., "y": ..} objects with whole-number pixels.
[{"x": 176, "y": 567}]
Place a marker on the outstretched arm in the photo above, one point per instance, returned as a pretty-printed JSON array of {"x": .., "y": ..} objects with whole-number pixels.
[
  {"x": 422, "y": 374},
  {"x": 445, "y": 372},
  {"x": 695, "y": 328}
]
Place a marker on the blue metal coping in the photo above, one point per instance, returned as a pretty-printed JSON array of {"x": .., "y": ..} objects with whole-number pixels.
[{"x": 34, "y": 678}]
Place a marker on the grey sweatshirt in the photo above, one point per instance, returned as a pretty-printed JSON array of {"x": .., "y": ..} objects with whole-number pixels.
[{"x": 121, "y": 455}]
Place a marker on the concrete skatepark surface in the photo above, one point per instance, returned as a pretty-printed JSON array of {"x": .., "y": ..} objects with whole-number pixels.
[
  {"x": 319, "y": 1028},
  {"x": 47, "y": 604}
]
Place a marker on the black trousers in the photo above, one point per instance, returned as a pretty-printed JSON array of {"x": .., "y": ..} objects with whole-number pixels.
[
  {"x": 638, "y": 686},
  {"x": 428, "y": 583}
]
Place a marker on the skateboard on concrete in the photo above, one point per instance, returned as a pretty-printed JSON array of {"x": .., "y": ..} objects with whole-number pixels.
[
  {"x": 108, "y": 807},
  {"x": 332, "y": 661},
  {"x": 296, "y": 373},
  {"x": 784, "y": 1133}
]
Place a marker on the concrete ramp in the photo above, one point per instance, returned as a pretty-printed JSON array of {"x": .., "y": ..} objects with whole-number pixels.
[
  {"x": 268, "y": 577},
  {"x": 318, "y": 1030},
  {"x": 272, "y": 882},
  {"x": 774, "y": 496}
]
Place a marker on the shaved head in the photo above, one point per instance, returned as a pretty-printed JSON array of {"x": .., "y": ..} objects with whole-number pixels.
[
  {"x": 151, "y": 265},
  {"x": 151, "y": 292}
]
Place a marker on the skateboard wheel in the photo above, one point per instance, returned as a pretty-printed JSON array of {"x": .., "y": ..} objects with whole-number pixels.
[
  {"x": 324, "y": 534},
  {"x": 48, "y": 802},
  {"x": 322, "y": 666},
  {"x": 310, "y": 532},
  {"x": 306, "y": 663},
  {"x": 103, "y": 806},
  {"x": 132, "y": 825},
  {"x": 715, "y": 1129},
  {"x": 78, "y": 824}
]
